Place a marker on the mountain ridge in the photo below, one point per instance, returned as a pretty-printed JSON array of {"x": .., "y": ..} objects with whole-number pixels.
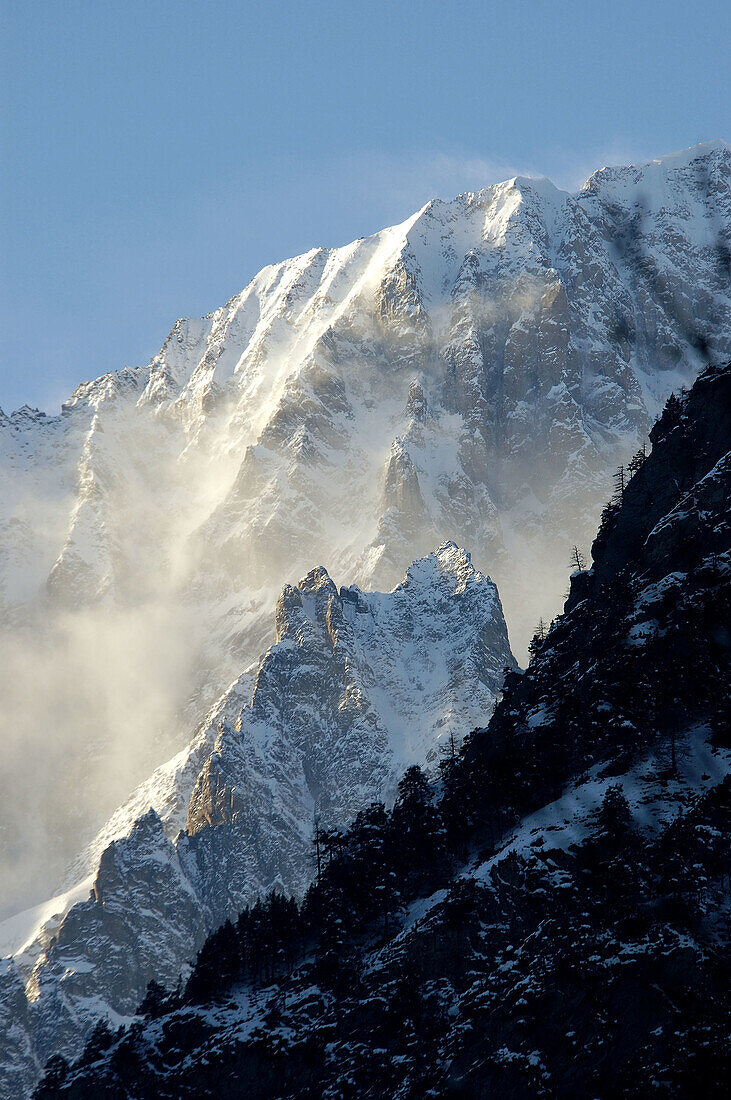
[{"x": 680, "y": 159}]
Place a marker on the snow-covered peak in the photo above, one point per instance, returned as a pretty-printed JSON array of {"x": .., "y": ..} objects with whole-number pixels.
[
  {"x": 358, "y": 686},
  {"x": 702, "y": 151},
  {"x": 674, "y": 171},
  {"x": 450, "y": 563}
]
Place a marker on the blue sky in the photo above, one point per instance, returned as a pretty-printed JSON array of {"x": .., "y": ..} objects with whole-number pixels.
[{"x": 154, "y": 155}]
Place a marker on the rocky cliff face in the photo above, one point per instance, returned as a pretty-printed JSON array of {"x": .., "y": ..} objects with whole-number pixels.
[{"x": 357, "y": 687}]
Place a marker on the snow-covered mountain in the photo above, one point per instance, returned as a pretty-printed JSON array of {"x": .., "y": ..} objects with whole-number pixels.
[
  {"x": 469, "y": 369},
  {"x": 357, "y": 687},
  {"x": 473, "y": 373},
  {"x": 552, "y": 917}
]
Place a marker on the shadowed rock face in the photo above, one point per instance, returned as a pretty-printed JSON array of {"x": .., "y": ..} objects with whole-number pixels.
[
  {"x": 660, "y": 511},
  {"x": 357, "y": 687}
]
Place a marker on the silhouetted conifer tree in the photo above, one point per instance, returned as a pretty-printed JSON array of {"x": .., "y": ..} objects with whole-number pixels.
[
  {"x": 615, "y": 816},
  {"x": 155, "y": 1001}
]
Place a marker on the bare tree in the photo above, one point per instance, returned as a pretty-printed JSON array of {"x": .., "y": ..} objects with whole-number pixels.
[
  {"x": 316, "y": 840},
  {"x": 539, "y": 637},
  {"x": 452, "y": 746},
  {"x": 578, "y": 561}
]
